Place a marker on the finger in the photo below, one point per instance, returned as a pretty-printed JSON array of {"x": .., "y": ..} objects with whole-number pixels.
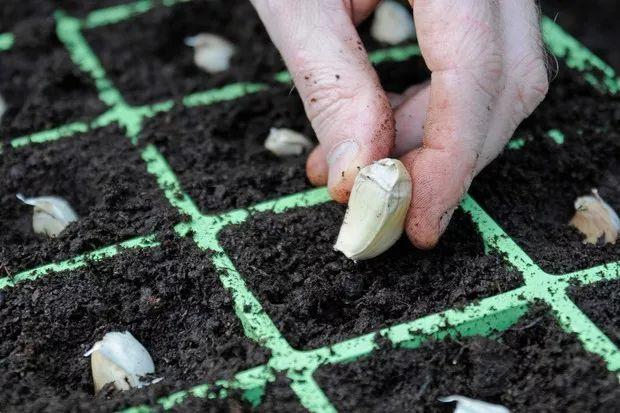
[
  {"x": 342, "y": 96},
  {"x": 525, "y": 78},
  {"x": 409, "y": 130},
  {"x": 361, "y": 9},
  {"x": 316, "y": 167},
  {"x": 410, "y": 116},
  {"x": 459, "y": 43}
]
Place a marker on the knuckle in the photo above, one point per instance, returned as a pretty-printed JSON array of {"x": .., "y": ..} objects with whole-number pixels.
[{"x": 530, "y": 83}]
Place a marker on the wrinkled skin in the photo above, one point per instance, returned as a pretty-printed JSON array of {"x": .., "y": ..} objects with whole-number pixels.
[{"x": 488, "y": 74}]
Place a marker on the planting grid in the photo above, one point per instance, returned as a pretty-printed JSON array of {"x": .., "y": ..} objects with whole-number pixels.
[{"x": 483, "y": 317}]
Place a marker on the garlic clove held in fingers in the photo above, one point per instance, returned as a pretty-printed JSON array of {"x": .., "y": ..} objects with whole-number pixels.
[
  {"x": 212, "y": 53},
  {"x": 378, "y": 205},
  {"x": 120, "y": 359},
  {"x": 595, "y": 219},
  {"x": 393, "y": 23},
  {"x": 286, "y": 142},
  {"x": 51, "y": 214}
]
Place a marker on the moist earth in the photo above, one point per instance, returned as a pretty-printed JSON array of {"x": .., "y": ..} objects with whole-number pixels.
[
  {"x": 601, "y": 303},
  {"x": 317, "y": 296},
  {"x": 528, "y": 368},
  {"x": 169, "y": 297}
]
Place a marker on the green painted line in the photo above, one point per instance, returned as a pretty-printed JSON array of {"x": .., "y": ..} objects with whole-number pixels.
[
  {"x": 68, "y": 30},
  {"x": 229, "y": 92},
  {"x": 78, "y": 262},
  {"x": 516, "y": 143},
  {"x": 605, "y": 272},
  {"x": 6, "y": 41},
  {"x": 573, "y": 320},
  {"x": 309, "y": 392},
  {"x": 50, "y": 135},
  {"x": 578, "y": 57},
  {"x": 394, "y": 54},
  {"x": 116, "y": 14},
  {"x": 556, "y": 135},
  {"x": 168, "y": 182}
]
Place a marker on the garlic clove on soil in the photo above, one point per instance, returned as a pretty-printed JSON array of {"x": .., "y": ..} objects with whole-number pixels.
[
  {"x": 2, "y": 107},
  {"x": 212, "y": 53},
  {"x": 393, "y": 23},
  {"x": 595, "y": 219},
  {"x": 120, "y": 359},
  {"x": 378, "y": 205},
  {"x": 467, "y": 405},
  {"x": 286, "y": 142},
  {"x": 51, "y": 214}
]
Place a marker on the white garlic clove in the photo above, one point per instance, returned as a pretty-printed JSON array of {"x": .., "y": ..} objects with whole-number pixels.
[
  {"x": 595, "y": 219},
  {"x": 120, "y": 359},
  {"x": 212, "y": 53},
  {"x": 286, "y": 142},
  {"x": 2, "y": 107},
  {"x": 393, "y": 23},
  {"x": 467, "y": 405},
  {"x": 51, "y": 214},
  {"x": 378, "y": 205}
]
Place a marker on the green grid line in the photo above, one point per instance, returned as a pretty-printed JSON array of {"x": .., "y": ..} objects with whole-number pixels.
[
  {"x": 484, "y": 317},
  {"x": 6, "y": 41}
]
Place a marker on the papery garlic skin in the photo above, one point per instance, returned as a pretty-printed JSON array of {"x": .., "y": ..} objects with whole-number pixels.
[
  {"x": 120, "y": 359},
  {"x": 287, "y": 142},
  {"x": 375, "y": 217},
  {"x": 467, "y": 405},
  {"x": 51, "y": 214},
  {"x": 595, "y": 219},
  {"x": 393, "y": 23},
  {"x": 2, "y": 107},
  {"x": 212, "y": 53}
]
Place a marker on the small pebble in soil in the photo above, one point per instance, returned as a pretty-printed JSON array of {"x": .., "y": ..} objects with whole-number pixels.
[
  {"x": 375, "y": 218},
  {"x": 393, "y": 23},
  {"x": 467, "y": 405},
  {"x": 212, "y": 53},
  {"x": 51, "y": 214},
  {"x": 122, "y": 360},
  {"x": 287, "y": 142},
  {"x": 595, "y": 219}
]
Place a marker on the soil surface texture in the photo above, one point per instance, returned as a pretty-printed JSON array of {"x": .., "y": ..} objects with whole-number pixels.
[
  {"x": 317, "y": 296},
  {"x": 601, "y": 303},
  {"x": 39, "y": 83},
  {"x": 528, "y": 369},
  {"x": 218, "y": 151},
  {"x": 531, "y": 191},
  {"x": 168, "y": 297},
  {"x": 102, "y": 177}
]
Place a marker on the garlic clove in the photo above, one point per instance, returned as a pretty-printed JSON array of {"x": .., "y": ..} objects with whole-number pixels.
[
  {"x": 393, "y": 23},
  {"x": 2, "y": 107},
  {"x": 595, "y": 219},
  {"x": 120, "y": 359},
  {"x": 51, "y": 214},
  {"x": 467, "y": 405},
  {"x": 286, "y": 142},
  {"x": 378, "y": 205},
  {"x": 212, "y": 53}
]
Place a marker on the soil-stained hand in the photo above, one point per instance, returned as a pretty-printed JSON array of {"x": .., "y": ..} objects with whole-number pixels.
[{"x": 488, "y": 74}]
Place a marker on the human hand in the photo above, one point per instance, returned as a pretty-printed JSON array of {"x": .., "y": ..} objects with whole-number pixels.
[{"x": 488, "y": 74}]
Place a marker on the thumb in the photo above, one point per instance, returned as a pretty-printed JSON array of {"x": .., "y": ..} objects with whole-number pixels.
[{"x": 342, "y": 96}]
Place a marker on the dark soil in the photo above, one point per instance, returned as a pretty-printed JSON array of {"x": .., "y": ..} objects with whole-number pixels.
[
  {"x": 531, "y": 192},
  {"x": 594, "y": 23},
  {"x": 218, "y": 154},
  {"x": 100, "y": 174},
  {"x": 39, "y": 83},
  {"x": 316, "y": 296},
  {"x": 168, "y": 297},
  {"x": 601, "y": 303},
  {"x": 533, "y": 367},
  {"x": 147, "y": 59}
]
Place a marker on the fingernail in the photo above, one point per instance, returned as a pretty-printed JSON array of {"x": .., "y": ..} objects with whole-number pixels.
[{"x": 340, "y": 158}]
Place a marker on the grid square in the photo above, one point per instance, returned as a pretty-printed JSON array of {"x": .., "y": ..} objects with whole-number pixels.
[
  {"x": 168, "y": 297},
  {"x": 105, "y": 181},
  {"x": 600, "y": 302},
  {"x": 316, "y": 296},
  {"x": 528, "y": 367},
  {"x": 40, "y": 84}
]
